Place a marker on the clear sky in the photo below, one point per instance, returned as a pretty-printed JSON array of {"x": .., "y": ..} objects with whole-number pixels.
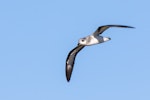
[{"x": 37, "y": 35}]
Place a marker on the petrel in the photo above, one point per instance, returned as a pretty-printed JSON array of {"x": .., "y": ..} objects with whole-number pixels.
[{"x": 92, "y": 39}]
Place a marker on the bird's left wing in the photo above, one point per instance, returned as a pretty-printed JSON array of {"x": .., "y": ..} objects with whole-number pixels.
[
  {"x": 70, "y": 61},
  {"x": 101, "y": 29}
]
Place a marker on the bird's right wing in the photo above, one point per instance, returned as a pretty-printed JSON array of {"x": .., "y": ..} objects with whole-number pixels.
[
  {"x": 70, "y": 61},
  {"x": 101, "y": 29}
]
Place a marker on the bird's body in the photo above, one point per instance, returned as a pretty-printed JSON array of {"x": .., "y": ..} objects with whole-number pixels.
[{"x": 92, "y": 39}]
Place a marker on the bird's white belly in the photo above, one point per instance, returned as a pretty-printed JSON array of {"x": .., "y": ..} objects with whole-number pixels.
[{"x": 92, "y": 41}]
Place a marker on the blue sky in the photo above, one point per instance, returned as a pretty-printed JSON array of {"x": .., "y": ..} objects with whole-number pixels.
[{"x": 37, "y": 35}]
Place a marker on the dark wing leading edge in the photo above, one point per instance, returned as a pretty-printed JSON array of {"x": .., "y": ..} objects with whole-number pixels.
[
  {"x": 101, "y": 29},
  {"x": 70, "y": 61}
]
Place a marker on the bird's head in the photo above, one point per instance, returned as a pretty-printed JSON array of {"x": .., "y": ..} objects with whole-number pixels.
[{"x": 82, "y": 41}]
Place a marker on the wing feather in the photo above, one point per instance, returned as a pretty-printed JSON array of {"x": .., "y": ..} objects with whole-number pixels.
[
  {"x": 101, "y": 29},
  {"x": 70, "y": 60}
]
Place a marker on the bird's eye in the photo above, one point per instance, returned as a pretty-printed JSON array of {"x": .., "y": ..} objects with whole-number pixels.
[{"x": 82, "y": 40}]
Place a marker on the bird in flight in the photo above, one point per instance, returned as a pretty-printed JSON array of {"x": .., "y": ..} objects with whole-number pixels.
[{"x": 92, "y": 39}]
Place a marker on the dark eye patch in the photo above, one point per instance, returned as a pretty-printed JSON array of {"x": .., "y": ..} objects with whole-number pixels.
[{"x": 82, "y": 40}]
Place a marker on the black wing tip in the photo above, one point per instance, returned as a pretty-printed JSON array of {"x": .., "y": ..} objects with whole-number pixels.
[
  {"x": 129, "y": 27},
  {"x": 68, "y": 74},
  {"x": 125, "y": 26},
  {"x": 68, "y": 80}
]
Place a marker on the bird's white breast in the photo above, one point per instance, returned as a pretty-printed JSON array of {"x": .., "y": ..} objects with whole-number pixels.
[{"x": 92, "y": 40}]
